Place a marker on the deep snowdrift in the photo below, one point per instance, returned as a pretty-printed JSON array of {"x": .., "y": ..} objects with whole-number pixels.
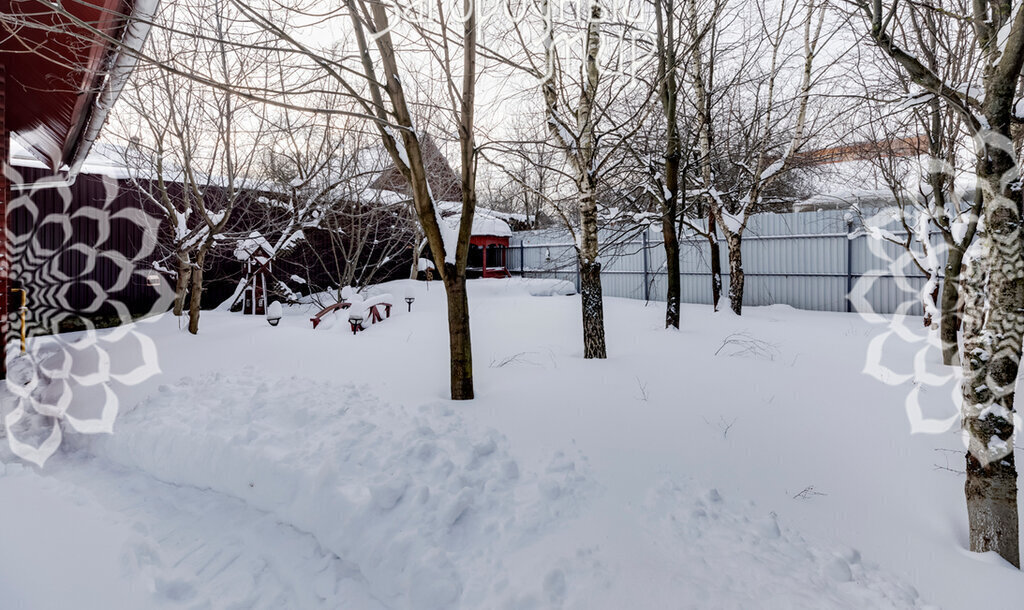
[
  {"x": 433, "y": 515},
  {"x": 738, "y": 463},
  {"x": 422, "y": 507}
]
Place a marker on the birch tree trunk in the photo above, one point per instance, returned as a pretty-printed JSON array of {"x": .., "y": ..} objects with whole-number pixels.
[
  {"x": 991, "y": 487},
  {"x": 995, "y": 295},
  {"x": 581, "y": 154},
  {"x": 590, "y": 268},
  {"x": 590, "y": 276},
  {"x": 992, "y": 360},
  {"x": 736, "y": 277},
  {"x": 991, "y": 364}
]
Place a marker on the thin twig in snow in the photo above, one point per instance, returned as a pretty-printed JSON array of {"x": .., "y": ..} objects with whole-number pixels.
[
  {"x": 743, "y": 344},
  {"x": 722, "y": 425},
  {"x": 807, "y": 493},
  {"x": 643, "y": 390}
]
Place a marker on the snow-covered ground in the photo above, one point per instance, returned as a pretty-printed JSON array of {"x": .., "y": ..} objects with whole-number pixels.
[{"x": 737, "y": 463}]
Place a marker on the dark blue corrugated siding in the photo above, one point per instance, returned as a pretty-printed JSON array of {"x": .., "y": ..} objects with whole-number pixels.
[{"x": 47, "y": 251}]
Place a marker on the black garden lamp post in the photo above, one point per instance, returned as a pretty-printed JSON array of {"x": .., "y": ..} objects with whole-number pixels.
[{"x": 356, "y": 321}]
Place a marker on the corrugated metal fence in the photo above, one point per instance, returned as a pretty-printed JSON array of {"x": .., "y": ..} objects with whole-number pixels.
[{"x": 809, "y": 260}]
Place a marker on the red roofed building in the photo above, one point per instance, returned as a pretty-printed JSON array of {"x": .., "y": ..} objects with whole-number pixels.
[
  {"x": 61, "y": 69},
  {"x": 488, "y": 243}
]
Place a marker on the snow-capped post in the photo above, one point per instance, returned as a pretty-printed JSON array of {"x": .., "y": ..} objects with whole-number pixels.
[
  {"x": 992, "y": 357},
  {"x": 274, "y": 313}
]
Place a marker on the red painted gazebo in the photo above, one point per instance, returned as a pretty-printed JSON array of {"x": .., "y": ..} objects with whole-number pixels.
[
  {"x": 62, "y": 67},
  {"x": 488, "y": 246},
  {"x": 488, "y": 243}
]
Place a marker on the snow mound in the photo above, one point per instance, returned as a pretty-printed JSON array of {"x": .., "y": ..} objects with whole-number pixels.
[
  {"x": 420, "y": 505},
  {"x": 505, "y": 287},
  {"x": 549, "y": 288},
  {"x": 769, "y": 566}
]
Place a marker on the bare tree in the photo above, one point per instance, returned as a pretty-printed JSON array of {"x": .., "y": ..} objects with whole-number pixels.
[
  {"x": 919, "y": 158},
  {"x": 372, "y": 78},
  {"x": 579, "y": 142},
  {"x": 674, "y": 43},
  {"x": 750, "y": 134},
  {"x": 992, "y": 354},
  {"x": 527, "y": 177},
  {"x": 196, "y": 153},
  {"x": 321, "y": 206},
  {"x": 450, "y": 247},
  {"x": 668, "y": 85},
  {"x": 586, "y": 120}
]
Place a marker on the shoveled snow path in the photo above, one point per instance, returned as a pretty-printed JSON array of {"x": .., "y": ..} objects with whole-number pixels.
[
  {"x": 430, "y": 513},
  {"x": 114, "y": 538}
]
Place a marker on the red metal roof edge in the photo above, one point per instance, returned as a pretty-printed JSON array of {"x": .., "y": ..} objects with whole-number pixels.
[{"x": 86, "y": 110}]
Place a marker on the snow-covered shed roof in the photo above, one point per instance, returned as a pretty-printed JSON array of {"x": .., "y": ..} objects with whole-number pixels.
[
  {"x": 254, "y": 244},
  {"x": 489, "y": 225},
  {"x": 485, "y": 220}
]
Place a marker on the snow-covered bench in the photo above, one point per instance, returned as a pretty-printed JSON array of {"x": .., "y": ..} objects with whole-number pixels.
[
  {"x": 371, "y": 309},
  {"x": 318, "y": 318}
]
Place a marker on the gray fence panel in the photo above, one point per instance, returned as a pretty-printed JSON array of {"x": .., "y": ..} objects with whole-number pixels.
[{"x": 803, "y": 259}]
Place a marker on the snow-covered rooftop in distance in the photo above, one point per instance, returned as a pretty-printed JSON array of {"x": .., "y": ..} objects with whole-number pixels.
[
  {"x": 104, "y": 159},
  {"x": 847, "y": 183},
  {"x": 860, "y": 183},
  {"x": 485, "y": 221}
]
